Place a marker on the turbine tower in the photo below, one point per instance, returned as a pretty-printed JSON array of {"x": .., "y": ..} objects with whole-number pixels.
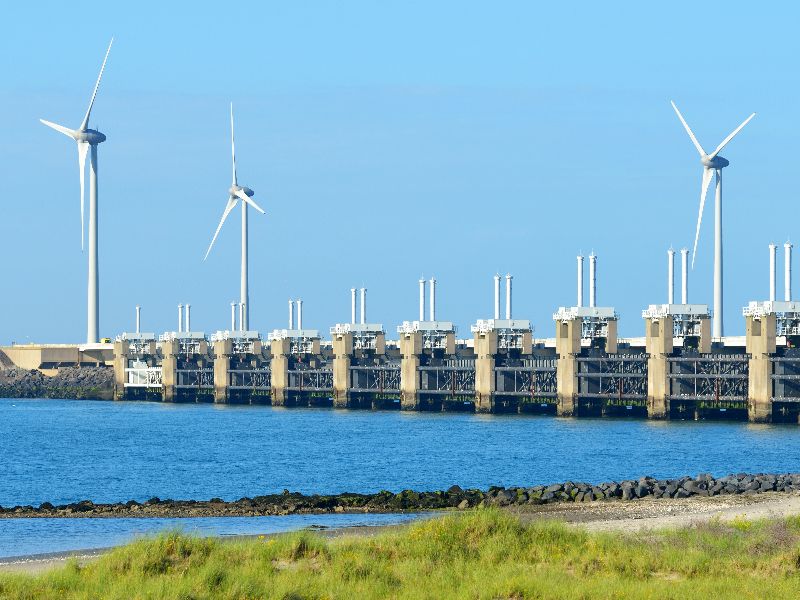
[
  {"x": 88, "y": 140},
  {"x": 712, "y": 165},
  {"x": 236, "y": 193}
]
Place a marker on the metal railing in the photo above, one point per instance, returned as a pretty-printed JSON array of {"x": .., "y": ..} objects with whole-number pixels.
[
  {"x": 248, "y": 379},
  {"x": 375, "y": 378},
  {"x": 145, "y": 377},
  {"x": 709, "y": 377}
]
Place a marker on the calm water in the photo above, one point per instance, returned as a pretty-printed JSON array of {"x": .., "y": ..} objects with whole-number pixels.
[
  {"x": 64, "y": 451},
  {"x": 21, "y": 537}
]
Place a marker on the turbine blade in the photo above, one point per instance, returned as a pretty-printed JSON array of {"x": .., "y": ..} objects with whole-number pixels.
[
  {"x": 83, "y": 149},
  {"x": 233, "y": 148},
  {"x": 731, "y": 136},
  {"x": 249, "y": 200},
  {"x": 707, "y": 173},
  {"x": 231, "y": 203},
  {"x": 688, "y": 130},
  {"x": 85, "y": 122},
  {"x": 60, "y": 128}
]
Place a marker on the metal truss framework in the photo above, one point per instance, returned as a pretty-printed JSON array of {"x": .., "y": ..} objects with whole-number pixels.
[
  {"x": 249, "y": 379},
  {"x": 375, "y": 378},
  {"x": 194, "y": 378},
  {"x": 311, "y": 380},
  {"x": 613, "y": 376},
  {"x": 535, "y": 378},
  {"x": 144, "y": 377},
  {"x": 454, "y": 377},
  {"x": 785, "y": 378},
  {"x": 708, "y": 377}
]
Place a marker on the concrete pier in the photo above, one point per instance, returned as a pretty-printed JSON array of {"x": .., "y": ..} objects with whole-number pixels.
[
  {"x": 485, "y": 352},
  {"x": 223, "y": 348},
  {"x": 280, "y": 349},
  {"x": 410, "y": 352},
  {"x": 659, "y": 345},
  {"x": 568, "y": 347},
  {"x": 342, "y": 359},
  {"x": 761, "y": 347}
]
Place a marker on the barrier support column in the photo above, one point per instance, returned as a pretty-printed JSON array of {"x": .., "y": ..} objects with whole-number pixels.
[
  {"x": 659, "y": 345},
  {"x": 342, "y": 379},
  {"x": 222, "y": 364},
  {"x": 121, "y": 349},
  {"x": 485, "y": 352},
  {"x": 568, "y": 346},
  {"x": 279, "y": 371},
  {"x": 410, "y": 351},
  {"x": 760, "y": 345},
  {"x": 169, "y": 368}
]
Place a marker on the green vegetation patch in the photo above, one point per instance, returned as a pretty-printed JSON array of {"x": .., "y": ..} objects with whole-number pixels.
[{"x": 480, "y": 554}]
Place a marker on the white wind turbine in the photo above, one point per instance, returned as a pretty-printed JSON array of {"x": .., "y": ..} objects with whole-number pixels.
[
  {"x": 236, "y": 193},
  {"x": 87, "y": 140},
  {"x": 712, "y": 164}
]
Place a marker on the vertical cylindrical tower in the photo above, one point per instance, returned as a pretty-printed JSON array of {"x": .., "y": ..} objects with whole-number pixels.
[
  {"x": 684, "y": 276},
  {"x": 363, "y": 306},
  {"x": 353, "y": 306},
  {"x": 497, "y": 296},
  {"x": 299, "y": 314},
  {"x": 773, "y": 275},
  {"x": 580, "y": 280},
  {"x": 433, "y": 300},
  {"x": 180, "y": 318},
  {"x": 138, "y": 318},
  {"x": 233, "y": 316},
  {"x": 291, "y": 314},
  {"x": 670, "y": 276},
  {"x": 421, "y": 299},
  {"x": 508, "y": 296},
  {"x": 592, "y": 280},
  {"x": 244, "y": 290},
  {"x": 787, "y": 272},
  {"x": 188, "y": 318}
]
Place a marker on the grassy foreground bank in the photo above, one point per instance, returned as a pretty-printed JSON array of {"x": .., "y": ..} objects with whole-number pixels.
[{"x": 479, "y": 554}]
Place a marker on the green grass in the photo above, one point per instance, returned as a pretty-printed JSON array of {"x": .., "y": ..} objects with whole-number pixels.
[{"x": 480, "y": 554}]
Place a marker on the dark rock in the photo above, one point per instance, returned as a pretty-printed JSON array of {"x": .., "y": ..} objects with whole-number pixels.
[{"x": 454, "y": 489}]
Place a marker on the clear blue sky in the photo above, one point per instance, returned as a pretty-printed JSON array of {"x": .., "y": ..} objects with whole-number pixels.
[{"x": 387, "y": 140}]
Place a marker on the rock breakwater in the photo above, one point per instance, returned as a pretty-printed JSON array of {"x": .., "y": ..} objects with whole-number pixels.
[
  {"x": 408, "y": 500},
  {"x": 92, "y": 383}
]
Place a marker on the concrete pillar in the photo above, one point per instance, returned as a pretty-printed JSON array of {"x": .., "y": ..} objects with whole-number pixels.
[
  {"x": 410, "y": 351},
  {"x": 279, "y": 371},
  {"x": 222, "y": 364},
  {"x": 704, "y": 347},
  {"x": 342, "y": 379},
  {"x": 121, "y": 350},
  {"x": 169, "y": 367},
  {"x": 485, "y": 352},
  {"x": 568, "y": 346},
  {"x": 611, "y": 337},
  {"x": 658, "y": 340},
  {"x": 760, "y": 343}
]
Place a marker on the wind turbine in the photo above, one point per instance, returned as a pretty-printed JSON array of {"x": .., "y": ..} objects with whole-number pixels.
[
  {"x": 87, "y": 140},
  {"x": 712, "y": 165},
  {"x": 236, "y": 193}
]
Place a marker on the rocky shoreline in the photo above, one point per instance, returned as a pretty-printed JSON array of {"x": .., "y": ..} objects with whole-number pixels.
[
  {"x": 72, "y": 383},
  {"x": 289, "y": 503}
]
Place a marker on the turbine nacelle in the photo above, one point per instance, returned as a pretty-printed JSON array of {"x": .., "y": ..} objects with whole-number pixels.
[
  {"x": 236, "y": 188},
  {"x": 90, "y": 136},
  {"x": 714, "y": 162}
]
